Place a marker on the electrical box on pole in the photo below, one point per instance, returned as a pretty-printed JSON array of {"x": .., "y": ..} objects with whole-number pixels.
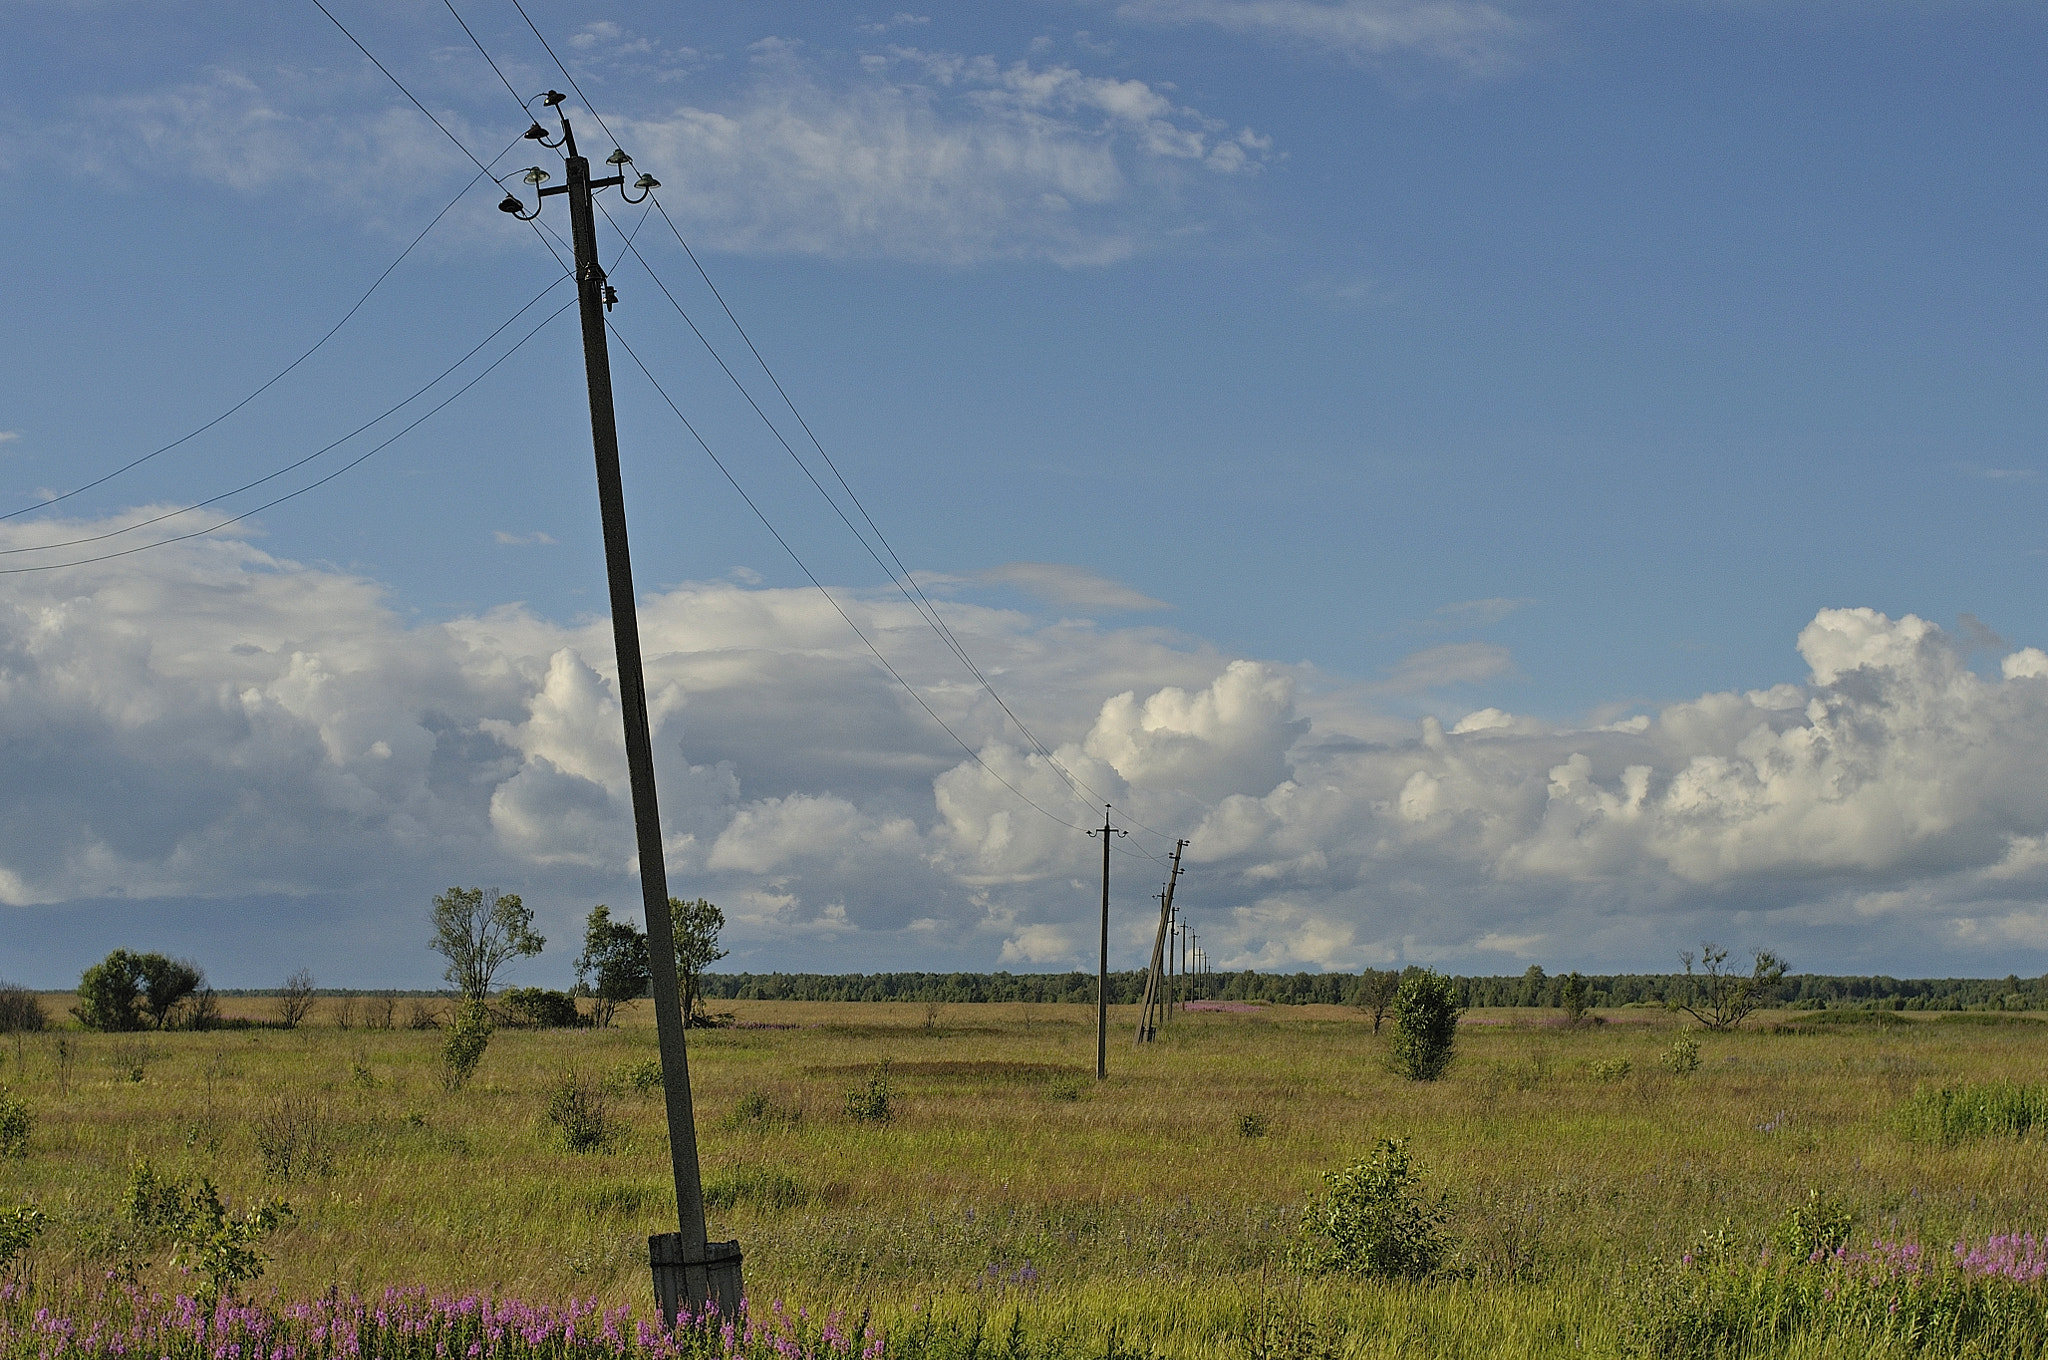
[{"x": 690, "y": 1271}]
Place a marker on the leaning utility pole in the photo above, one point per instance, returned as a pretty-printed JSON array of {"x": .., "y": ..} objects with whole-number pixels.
[
  {"x": 1102, "y": 967},
  {"x": 1154, "y": 982},
  {"x": 690, "y": 1272}
]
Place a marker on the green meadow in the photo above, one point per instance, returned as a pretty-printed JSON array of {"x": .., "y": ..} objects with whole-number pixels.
[{"x": 1159, "y": 1210}]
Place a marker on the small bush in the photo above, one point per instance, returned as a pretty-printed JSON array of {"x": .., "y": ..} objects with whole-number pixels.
[
  {"x": 765, "y": 1186},
  {"x": 294, "y": 1139},
  {"x": 580, "y": 1111},
  {"x": 18, "y": 1229},
  {"x": 1608, "y": 1069},
  {"x": 1067, "y": 1088},
  {"x": 1253, "y": 1124},
  {"x": 1682, "y": 1059},
  {"x": 872, "y": 1103},
  {"x": 1375, "y": 1221},
  {"x": 1816, "y": 1228},
  {"x": 757, "y": 1109},
  {"x": 464, "y": 1047},
  {"x": 642, "y": 1078},
  {"x": 1950, "y": 1114},
  {"x": 1426, "y": 1012},
  {"x": 423, "y": 1013},
  {"x": 17, "y": 1121},
  {"x": 21, "y": 1010},
  {"x": 540, "y": 1008}
]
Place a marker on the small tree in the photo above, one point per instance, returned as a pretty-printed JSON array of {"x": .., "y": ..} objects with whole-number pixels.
[
  {"x": 110, "y": 994},
  {"x": 1426, "y": 1012},
  {"x": 1575, "y": 996},
  {"x": 1375, "y": 993},
  {"x": 1722, "y": 999},
  {"x": 1375, "y": 1221},
  {"x": 696, "y": 929},
  {"x": 613, "y": 966},
  {"x": 479, "y": 930},
  {"x": 167, "y": 984},
  {"x": 468, "y": 1035},
  {"x": 295, "y": 999}
]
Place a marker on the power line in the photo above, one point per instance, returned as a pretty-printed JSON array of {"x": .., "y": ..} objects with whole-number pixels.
[
  {"x": 487, "y": 56},
  {"x": 289, "y": 495},
  {"x": 564, "y": 70},
  {"x": 272, "y": 476},
  {"x": 274, "y": 378},
  {"x": 812, "y": 577}
]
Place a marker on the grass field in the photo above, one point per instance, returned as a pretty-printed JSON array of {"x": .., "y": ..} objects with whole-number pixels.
[{"x": 1159, "y": 1205}]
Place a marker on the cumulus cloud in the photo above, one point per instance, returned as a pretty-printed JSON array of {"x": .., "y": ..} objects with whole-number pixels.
[
  {"x": 1472, "y": 36},
  {"x": 211, "y": 723}
]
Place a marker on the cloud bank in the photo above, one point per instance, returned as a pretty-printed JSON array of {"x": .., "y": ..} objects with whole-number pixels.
[{"x": 213, "y": 723}]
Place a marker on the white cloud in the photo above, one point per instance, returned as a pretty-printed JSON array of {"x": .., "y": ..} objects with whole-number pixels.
[
  {"x": 1475, "y": 37},
  {"x": 210, "y": 722},
  {"x": 1453, "y": 663},
  {"x": 9, "y": 436},
  {"x": 537, "y": 538}
]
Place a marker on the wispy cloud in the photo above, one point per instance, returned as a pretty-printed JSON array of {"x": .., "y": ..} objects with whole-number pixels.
[
  {"x": 1473, "y": 36},
  {"x": 1060, "y": 583},
  {"x": 537, "y": 538},
  {"x": 1454, "y": 663}
]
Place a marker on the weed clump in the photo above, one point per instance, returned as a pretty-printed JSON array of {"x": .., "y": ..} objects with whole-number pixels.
[
  {"x": 1815, "y": 1229},
  {"x": 764, "y": 1186},
  {"x": 1950, "y": 1114},
  {"x": 1608, "y": 1069},
  {"x": 872, "y": 1103},
  {"x": 758, "y": 1109},
  {"x": 1682, "y": 1059},
  {"x": 579, "y": 1109},
  {"x": 21, "y": 1011},
  {"x": 1066, "y": 1089},
  {"x": 17, "y": 1121},
  {"x": 642, "y": 1078},
  {"x": 1253, "y": 1124},
  {"x": 1376, "y": 1220}
]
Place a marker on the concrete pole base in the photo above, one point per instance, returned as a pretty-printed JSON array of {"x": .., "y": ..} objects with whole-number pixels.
[{"x": 687, "y": 1277}]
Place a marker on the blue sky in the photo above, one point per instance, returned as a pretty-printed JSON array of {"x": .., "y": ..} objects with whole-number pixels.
[{"x": 1526, "y": 367}]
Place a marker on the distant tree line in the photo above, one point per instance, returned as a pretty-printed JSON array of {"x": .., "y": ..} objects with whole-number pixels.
[{"x": 1803, "y": 991}]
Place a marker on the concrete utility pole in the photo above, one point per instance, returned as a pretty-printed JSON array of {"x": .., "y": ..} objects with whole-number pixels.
[
  {"x": 1102, "y": 967},
  {"x": 689, "y": 1270}
]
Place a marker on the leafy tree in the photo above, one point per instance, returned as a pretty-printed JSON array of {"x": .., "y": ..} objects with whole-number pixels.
[
  {"x": 696, "y": 930},
  {"x": 167, "y": 984},
  {"x": 479, "y": 930},
  {"x": 1426, "y": 1012},
  {"x": 1575, "y": 996},
  {"x": 1375, "y": 994},
  {"x": 110, "y": 993},
  {"x": 613, "y": 966},
  {"x": 1723, "y": 999}
]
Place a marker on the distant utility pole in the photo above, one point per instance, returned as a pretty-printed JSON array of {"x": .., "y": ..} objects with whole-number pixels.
[
  {"x": 1155, "y": 1000},
  {"x": 689, "y": 1270},
  {"x": 1102, "y": 967}
]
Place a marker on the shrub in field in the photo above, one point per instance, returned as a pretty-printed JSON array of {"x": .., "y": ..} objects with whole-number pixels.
[
  {"x": 1818, "y": 1227},
  {"x": 17, "y": 1121},
  {"x": 872, "y": 1103},
  {"x": 1682, "y": 1059},
  {"x": 124, "y": 991},
  {"x": 1575, "y": 995},
  {"x": 580, "y": 1112},
  {"x": 294, "y": 1137},
  {"x": 295, "y": 999},
  {"x": 18, "y": 1229},
  {"x": 641, "y": 1078},
  {"x": 540, "y": 1008},
  {"x": 21, "y": 1010},
  {"x": 1950, "y": 1114},
  {"x": 423, "y": 1013},
  {"x": 464, "y": 1047},
  {"x": 759, "y": 1109},
  {"x": 224, "y": 1250},
  {"x": 1067, "y": 1088},
  {"x": 1375, "y": 993},
  {"x": 1608, "y": 1069},
  {"x": 1375, "y": 1220},
  {"x": 1426, "y": 1012},
  {"x": 1253, "y": 1124}
]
